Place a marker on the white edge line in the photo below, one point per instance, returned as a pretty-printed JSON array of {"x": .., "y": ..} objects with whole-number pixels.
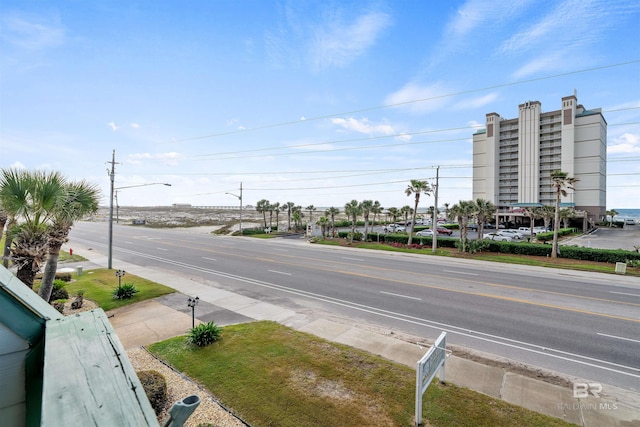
[
  {"x": 210, "y": 259},
  {"x": 624, "y": 293},
  {"x": 279, "y": 272},
  {"x": 400, "y": 295}
]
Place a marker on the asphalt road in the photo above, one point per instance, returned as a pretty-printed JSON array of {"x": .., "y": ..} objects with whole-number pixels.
[{"x": 579, "y": 324}]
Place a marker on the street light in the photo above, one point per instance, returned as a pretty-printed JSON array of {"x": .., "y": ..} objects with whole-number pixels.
[
  {"x": 112, "y": 175},
  {"x": 239, "y": 197},
  {"x": 192, "y": 303}
]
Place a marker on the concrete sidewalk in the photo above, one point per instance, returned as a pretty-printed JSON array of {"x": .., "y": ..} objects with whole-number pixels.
[{"x": 165, "y": 317}]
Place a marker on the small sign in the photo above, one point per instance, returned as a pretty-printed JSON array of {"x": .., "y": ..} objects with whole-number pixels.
[{"x": 427, "y": 368}]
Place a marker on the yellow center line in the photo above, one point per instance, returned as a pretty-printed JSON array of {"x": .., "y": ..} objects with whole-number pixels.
[{"x": 480, "y": 294}]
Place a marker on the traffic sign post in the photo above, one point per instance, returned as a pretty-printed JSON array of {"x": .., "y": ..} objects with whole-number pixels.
[{"x": 426, "y": 370}]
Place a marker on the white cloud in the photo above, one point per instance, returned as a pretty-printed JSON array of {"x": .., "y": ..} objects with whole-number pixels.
[
  {"x": 113, "y": 126},
  {"x": 30, "y": 34},
  {"x": 626, "y": 143},
  {"x": 478, "y": 102},
  {"x": 336, "y": 44},
  {"x": 135, "y": 125},
  {"x": 363, "y": 126},
  {"x": 171, "y": 158},
  {"x": 476, "y": 125},
  {"x": 419, "y": 99}
]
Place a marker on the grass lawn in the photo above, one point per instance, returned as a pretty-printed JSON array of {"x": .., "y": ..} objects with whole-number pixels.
[
  {"x": 271, "y": 375},
  {"x": 98, "y": 286}
]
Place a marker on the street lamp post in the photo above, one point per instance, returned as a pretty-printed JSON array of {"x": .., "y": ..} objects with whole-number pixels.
[
  {"x": 110, "y": 257},
  {"x": 239, "y": 197},
  {"x": 192, "y": 302}
]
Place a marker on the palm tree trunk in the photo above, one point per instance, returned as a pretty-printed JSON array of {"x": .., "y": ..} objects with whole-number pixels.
[
  {"x": 49, "y": 274},
  {"x": 6, "y": 253}
]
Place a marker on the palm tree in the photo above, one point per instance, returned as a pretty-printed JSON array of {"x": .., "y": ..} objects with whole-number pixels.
[
  {"x": 376, "y": 210},
  {"x": 416, "y": 187},
  {"x": 484, "y": 210},
  {"x": 405, "y": 211},
  {"x": 331, "y": 213},
  {"x": 31, "y": 197},
  {"x": 323, "y": 222},
  {"x": 78, "y": 200},
  {"x": 611, "y": 214},
  {"x": 276, "y": 208},
  {"x": 4, "y": 217},
  {"x": 560, "y": 182},
  {"x": 547, "y": 213},
  {"x": 297, "y": 217},
  {"x": 311, "y": 209},
  {"x": 289, "y": 208},
  {"x": 262, "y": 207},
  {"x": 393, "y": 213},
  {"x": 463, "y": 210},
  {"x": 353, "y": 209},
  {"x": 366, "y": 207},
  {"x": 565, "y": 215},
  {"x": 270, "y": 209},
  {"x": 446, "y": 212}
]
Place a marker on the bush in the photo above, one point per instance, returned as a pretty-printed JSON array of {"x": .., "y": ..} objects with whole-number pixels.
[
  {"x": 59, "y": 305},
  {"x": 204, "y": 334},
  {"x": 126, "y": 291},
  {"x": 155, "y": 387},
  {"x": 58, "y": 291}
]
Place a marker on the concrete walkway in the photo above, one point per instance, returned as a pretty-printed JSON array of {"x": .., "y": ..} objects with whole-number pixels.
[{"x": 165, "y": 317}]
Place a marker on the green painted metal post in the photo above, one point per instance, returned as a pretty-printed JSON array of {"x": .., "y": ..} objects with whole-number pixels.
[{"x": 181, "y": 410}]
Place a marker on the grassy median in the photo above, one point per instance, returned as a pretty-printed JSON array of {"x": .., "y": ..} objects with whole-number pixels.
[{"x": 271, "y": 375}]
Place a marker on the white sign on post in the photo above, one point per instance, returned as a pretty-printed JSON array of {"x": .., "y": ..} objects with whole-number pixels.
[{"x": 426, "y": 370}]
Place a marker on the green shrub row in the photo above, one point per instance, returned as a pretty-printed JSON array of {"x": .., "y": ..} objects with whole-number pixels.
[{"x": 517, "y": 248}]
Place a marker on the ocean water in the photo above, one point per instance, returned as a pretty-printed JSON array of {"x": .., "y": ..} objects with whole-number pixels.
[{"x": 628, "y": 213}]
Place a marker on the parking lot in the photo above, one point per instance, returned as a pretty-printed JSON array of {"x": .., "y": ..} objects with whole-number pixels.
[{"x": 609, "y": 238}]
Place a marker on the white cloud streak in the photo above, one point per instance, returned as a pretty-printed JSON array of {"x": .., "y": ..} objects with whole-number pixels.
[{"x": 31, "y": 35}]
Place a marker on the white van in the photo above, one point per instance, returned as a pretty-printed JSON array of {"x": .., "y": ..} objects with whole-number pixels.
[{"x": 630, "y": 221}]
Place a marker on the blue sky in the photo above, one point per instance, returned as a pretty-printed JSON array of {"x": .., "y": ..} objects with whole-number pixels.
[{"x": 313, "y": 102}]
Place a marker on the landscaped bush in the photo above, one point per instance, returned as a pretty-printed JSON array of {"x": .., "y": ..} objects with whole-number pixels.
[
  {"x": 59, "y": 305},
  {"x": 204, "y": 334},
  {"x": 58, "y": 291},
  {"x": 598, "y": 255},
  {"x": 155, "y": 387},
  {"x": 126, "y": 291}
]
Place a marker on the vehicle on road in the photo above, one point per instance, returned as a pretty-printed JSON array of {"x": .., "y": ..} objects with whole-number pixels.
[
  {"x": 630, "y": 221},
  {"x": 497, "y": 237},
  {"x": 514, "y": 234},
  {"x": 425, "y": 233}
]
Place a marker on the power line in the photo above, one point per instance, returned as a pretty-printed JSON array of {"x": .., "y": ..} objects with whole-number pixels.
[{"x": 326, "y": 116}]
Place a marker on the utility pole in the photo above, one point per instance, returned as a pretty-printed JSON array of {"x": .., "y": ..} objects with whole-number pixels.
[
  {"x": 112, "y": 175},
  {"x": 434, "y": 227}
]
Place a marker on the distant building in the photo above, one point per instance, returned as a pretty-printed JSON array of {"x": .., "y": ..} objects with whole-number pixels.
[{"x": 514, "y": 158}]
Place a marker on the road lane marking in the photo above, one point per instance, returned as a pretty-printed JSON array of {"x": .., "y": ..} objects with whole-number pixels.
[
  {"x": 508, "y": 342},
  {"x": 624, "y": 293},
  {"x": 400, "y": 295},
  {"x": 210, "y": 259},
  {"x": 460, "y": 272},
  {"x": 351, "y": 259},
  {"x": 162, "y": 249},
  {"x": 620, "y": 338},
  {"x": 279, "y": 272}
]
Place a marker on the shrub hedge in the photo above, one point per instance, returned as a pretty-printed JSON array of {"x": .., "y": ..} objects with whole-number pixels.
[{"x": 518, "y": 248}]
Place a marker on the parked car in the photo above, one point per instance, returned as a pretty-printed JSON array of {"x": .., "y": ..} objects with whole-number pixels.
[
  {"x": 525, "y": 231},
  {"x": 497, "y": 237},
  {"x": 425, "y": 233},
  {"x": 514, "y": 234},
  {"x": 473, "y": 226},
  {"x": 442, "y": 230},
  {"x": 394, "y": 228}
]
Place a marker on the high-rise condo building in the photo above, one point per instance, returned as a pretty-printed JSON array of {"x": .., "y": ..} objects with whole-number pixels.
[{"x": 513, "y": 158}]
